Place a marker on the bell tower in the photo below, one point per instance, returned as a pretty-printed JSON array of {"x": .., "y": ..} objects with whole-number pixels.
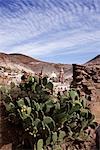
[{"x": 61, "y": 76}]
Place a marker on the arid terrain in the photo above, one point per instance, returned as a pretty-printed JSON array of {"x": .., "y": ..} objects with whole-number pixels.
[
  {"x": 19, "y": 62},
  {"x": 94, "y": 61},
  {"x": 12, "y": 67}
]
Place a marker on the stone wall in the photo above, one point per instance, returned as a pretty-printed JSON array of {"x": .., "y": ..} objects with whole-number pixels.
[{"x": 86, "y": 78}]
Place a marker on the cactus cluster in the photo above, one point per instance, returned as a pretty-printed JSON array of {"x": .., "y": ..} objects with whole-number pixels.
[{"x": 46, "y": 121}]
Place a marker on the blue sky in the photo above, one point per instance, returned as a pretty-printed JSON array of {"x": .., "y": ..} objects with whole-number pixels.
[{"x": 60, "y": 31}]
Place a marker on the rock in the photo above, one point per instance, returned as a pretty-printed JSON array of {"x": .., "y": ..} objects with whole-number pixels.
[{"x": 86, "y": 79}]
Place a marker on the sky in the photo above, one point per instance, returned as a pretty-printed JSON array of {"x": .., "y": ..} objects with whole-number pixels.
[{"x": 59, "y": 31}]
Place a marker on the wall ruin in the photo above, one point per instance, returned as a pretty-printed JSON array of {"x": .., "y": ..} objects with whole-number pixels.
[{"x": 86, "y": 78}]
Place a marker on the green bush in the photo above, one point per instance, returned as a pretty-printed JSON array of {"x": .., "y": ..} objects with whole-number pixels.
[{"x": 46, "y": 120}]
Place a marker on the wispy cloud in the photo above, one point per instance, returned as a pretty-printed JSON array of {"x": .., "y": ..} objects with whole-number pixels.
[{"x": 46, "y": 28}]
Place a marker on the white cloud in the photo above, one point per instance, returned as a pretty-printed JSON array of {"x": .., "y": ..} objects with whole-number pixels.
[
  {"x": 54, "y": 46},
  {"x": 49, "y": 28}
]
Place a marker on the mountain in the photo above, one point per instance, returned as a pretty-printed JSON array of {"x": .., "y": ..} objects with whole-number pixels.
[
  {"x": 20, "y": 62},
  {"x": 13, "y": 65},
  {"x": 94, "y": 61}
]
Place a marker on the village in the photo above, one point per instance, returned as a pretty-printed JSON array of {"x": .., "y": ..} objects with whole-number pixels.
[{"x": 60, "y": 82}]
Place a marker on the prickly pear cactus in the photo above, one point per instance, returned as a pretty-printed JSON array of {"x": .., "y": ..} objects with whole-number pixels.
[
  {"x": 47, "y": 120},
  {"x": 40, "y": 144}
]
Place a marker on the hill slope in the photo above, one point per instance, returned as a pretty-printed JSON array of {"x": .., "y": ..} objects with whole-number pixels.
[
  {"x": 19, "y": 62},
  {"x": 94, "y": 61}
]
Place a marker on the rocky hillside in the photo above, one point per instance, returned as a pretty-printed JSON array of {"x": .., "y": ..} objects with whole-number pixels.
[
  {"x": 94, "y": 61},
  {"x": 19, "y": 62},
  {"x": 28, "y": 64}
]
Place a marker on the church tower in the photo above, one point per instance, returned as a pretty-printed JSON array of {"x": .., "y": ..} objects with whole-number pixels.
[
  {"x": 61, "y": 76},
  {"x": 41, "y": 72}
]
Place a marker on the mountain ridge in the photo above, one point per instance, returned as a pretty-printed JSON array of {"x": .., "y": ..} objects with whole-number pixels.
[
  {"x": 11, "y": 60},
  {"x": 27, "y": 63},
  {"x": 95, "y": 60}
]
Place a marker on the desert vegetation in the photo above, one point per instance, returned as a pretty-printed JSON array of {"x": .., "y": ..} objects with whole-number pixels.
[{"x": 45, "y": 121}]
